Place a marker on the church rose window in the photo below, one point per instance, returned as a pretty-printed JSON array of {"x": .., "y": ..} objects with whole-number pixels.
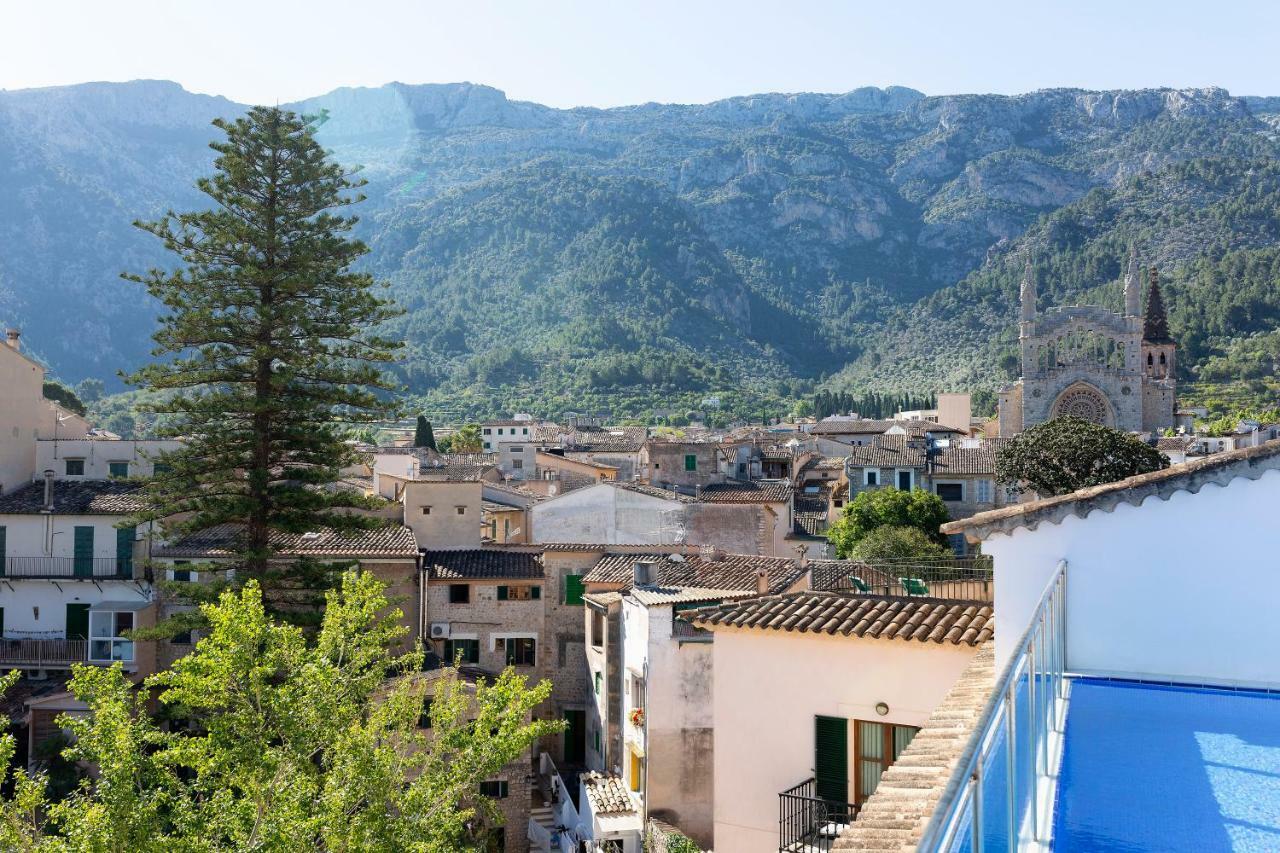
[{"x": 1082, "y": 403}]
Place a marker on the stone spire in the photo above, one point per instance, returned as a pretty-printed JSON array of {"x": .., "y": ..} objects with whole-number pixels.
[
  {"x": 1133, "y": 286},
  {"x": 1155, "y": 325},
  {"x": 1028, "y": 293}
]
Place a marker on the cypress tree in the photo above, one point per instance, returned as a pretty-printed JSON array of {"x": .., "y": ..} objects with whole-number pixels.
[
  {"x": 423, "y": 434},
  {"x": 265, "y": 343}
]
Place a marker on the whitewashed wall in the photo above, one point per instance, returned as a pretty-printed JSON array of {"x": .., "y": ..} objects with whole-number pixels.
[
  {"x": 98, "y": 456},
  {"x": 768, "y": 688},
  {"x": 40, "y": 607},
  {"x": 1181, "y": 589}
]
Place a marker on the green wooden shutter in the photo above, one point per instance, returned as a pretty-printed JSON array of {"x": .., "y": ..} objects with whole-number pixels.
[
  {"x": 77, "y": 622},
  {"x": 573, "y": 589},
  {"x": 124, "y": 550},
  {"x": 536, "y": 593},
  {"x": 831, "y": 758},
  {"x": 691, "y": 462},
  {"x": 502, "y": 593},
  {"x": 83, "y": 562}
]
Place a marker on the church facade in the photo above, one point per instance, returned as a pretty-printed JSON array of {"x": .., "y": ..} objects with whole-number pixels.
[{"x": 1109, "y": 368}]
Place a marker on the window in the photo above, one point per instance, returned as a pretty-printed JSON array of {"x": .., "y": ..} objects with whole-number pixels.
[
  {"x": 462, "y": 510},
  {"x": 984, "y": 491},
  {"x": 691, "y": 462},
  {"x": 424, "y": 718},
  {"x": 521, "y": 651},
  {"x": 486, "y": 445},
  {"x": 519, "y": 593},
  {"x": 118, "y": 470},
  {"x": 517, "y": 464},
  {"x": 599, "y": 682},
  {"x": 573, "y": 589},
  {"x": 468, "y": 649},
  {"x": 75, "y": 467},
  {"x": 488, "y": 431},
  {"x": 597, "y": 629},
  {"x": 426, "y": 510},
  {"x": 459, "y": 593},
  {"x": 872, "y": 478},
  {"x": 499, "y": 430},
  {"x": 904, "y": 481},
  {"x": 181, "y": 575},
  {"x": 515, "y": 448},
  {"x": 524, "y": 430},
  {"x": 496, "y": 790},
  {"x": 878, "y": 746},
  {"x": 595, "y": 740},
  {"x": 182, "y": 638},
  {"x": 106, "y": 640},
  {"x": 950, "y": 491}
]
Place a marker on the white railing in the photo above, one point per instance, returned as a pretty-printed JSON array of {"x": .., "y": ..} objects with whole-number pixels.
[
  {"x": 539, "y": 837},
  {"x": 566, "y": 835},
  {"x": 998, "y": 796}
]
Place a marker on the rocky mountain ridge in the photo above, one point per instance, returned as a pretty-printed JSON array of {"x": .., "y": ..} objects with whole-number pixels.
[{"x": 759, "y": 242}]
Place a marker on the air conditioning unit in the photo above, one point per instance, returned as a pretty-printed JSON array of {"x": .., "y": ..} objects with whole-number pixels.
[{"x": 439, "y": 630}]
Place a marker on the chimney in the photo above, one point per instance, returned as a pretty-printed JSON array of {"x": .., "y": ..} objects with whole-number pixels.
[
  {"x": 48, "y": 490},
  {"x": 642, "y": 573},
  {"x": 762, "y": 581},
  {"x": 11, "y": 337},
  {"x": 712, "y": 554}
]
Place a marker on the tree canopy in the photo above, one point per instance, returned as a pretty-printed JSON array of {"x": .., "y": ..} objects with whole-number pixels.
[
  {"x": 266, "y": 333},
  {"x": 274, "y": 742},
  {"x": 1068, "y": 453},
  {"x": 892, "y": 542},
  {"x": 887, "y": 507}
]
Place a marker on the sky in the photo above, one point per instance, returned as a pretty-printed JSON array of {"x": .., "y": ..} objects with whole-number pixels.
[{"x": 607, "y": 53}]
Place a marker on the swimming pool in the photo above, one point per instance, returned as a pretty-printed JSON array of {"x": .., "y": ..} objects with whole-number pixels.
[{"x": 1149, "y": 767}]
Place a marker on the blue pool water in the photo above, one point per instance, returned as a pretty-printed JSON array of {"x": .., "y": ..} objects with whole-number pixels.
[{"x": 1152, "y": 768}]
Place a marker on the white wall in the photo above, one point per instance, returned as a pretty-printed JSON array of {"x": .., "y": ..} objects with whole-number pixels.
[
  {"x": 1166, "y": 589},
  {"x": 98, "y": 454},
  {"x": 40, "y": 607},
  {"x": 30, "y": 535},
  {"x": 605, "y": 513},
  {"x": 768, "y": 688}
]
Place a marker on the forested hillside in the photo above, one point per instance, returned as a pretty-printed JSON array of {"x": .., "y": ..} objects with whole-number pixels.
[{"x": 750, "y": 250}]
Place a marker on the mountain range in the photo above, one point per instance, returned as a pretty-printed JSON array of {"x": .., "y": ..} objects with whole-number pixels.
[{"x": 749, "y": 250}]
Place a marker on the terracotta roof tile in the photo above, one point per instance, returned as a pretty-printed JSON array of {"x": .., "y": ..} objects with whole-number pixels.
[
  {"x": 731, "y": 571},
  {"x": 608, "y": 794},
  {"x": 221, "y": 541},
  {"x": 887, "y": 451},
  {"x": 878, "y": 617},
  {"x": 76, "y": 497},
  {"x": 754, "y": 492},
  {"x": 481, "y": 563}
]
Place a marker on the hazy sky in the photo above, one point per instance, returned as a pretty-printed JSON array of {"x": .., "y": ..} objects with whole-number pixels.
[{"x": 606, "y": 52}]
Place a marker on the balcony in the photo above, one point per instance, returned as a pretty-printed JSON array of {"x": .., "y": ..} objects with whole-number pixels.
[
  {"x": 41, "y": 654},
  {"x": 956, "y": 578},
  {"x": 808, "y": 823},
  {"x": 69, "y": 568}
]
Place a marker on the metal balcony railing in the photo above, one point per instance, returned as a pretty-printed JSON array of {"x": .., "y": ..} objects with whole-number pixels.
[
  {"x": 55, "y": 568},
  {"x": 42, "y": 653},
  {"x": 1003, "y": 785},
  {"x": 808, "y": 823},
  {"x": 957, "y": 578}
]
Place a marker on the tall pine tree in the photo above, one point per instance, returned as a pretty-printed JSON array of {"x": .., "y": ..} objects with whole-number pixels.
[{"x": 265, "y": 342}]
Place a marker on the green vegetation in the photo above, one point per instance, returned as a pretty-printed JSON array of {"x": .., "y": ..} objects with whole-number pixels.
[
  {"x": 873, "y": 509},
  {"x": 269, "y": 357},
  {"x": 63, "y": 396},
  {"x": 276, "y": 742},
  {"x": 1068, "y": 453},
  {"x": 423, "y": 434},
  {"x": 893, "y": 542}
]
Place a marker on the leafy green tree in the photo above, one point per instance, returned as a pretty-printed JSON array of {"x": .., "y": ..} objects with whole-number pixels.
[
  {"x": 893, "y": 542},
  {"x": 63, "y": 396},
  {"x": 466, "y": 439},
  {"x": 266, "y": 342},
  {"x": 886, "y": 507},
  {"x": 1069, "y": 453},
  {"x": 290, "y": 743},
  {"x": 423, "y": 435}
]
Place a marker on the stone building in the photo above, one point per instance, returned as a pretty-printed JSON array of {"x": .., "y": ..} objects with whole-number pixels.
[{"x": 1109, "y": 368}]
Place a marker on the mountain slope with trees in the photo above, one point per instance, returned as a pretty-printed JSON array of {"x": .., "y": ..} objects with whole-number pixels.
[{"x": 660, "y": 255}]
